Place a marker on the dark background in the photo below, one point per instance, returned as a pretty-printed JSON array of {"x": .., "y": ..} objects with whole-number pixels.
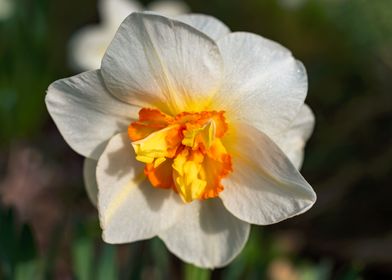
[{"x": 49, "y": 229}]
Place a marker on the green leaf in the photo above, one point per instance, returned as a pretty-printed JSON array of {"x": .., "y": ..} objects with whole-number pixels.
[
  {"x": 160, "y": 257},
  {"x": 8, "y": 242},
  {"x": 26, "y": 244},
  {"x": 28, "y": 270},
  {"x": 106, "y": 269},
  {"x": 82, "y": 257}
]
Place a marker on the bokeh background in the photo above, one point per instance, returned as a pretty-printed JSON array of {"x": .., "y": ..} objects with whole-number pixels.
[{"x": 50, "y": 230}]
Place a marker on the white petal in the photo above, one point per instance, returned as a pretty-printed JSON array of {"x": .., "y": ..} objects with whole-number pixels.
[
  {"x": 206, "y": 234},
  {"x": 130, "y": 208},
  {"x": 292, "y": 142},
  {"x": 90, "y": 180},
  {"x": 154, "y": 61},
  {"x": 264, "y": 85},
  {"x": 168, "y": 7},
  {"x": 87, "y": 47},
  {"x": 264, "y": 187},
  {"x": 209, "y": 25},
  {"x": 113, "y": 12},
  {"x": 85, "y": 112}
]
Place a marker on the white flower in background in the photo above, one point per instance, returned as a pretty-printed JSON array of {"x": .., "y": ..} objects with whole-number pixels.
[
  {"x": 214, "y": 148},
  {"x": 88, "y": 45},
  {"x": 6, "y": 9},
  {"x": 292, "y": 4}
]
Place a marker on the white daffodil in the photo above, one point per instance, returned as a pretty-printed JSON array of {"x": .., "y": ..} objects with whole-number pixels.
[
  {"x": 6, "y": 9},
  {"x": 191, "y": 134},
  {"x": 88, "y": 45}
]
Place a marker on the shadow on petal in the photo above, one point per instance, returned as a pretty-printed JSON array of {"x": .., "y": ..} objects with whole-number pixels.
[
  {"x": 120, "y": 164},
  {"x": 214, "y": 217},
  {"x": 154, "y": 197}
]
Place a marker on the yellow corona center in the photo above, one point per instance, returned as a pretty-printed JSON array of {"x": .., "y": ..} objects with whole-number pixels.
[{"x": 183, "y": 152}]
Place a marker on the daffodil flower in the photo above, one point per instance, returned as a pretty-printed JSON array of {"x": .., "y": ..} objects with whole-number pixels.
[
  {"x": 192, "y": 133},
  {"x": 6, "y": 9},
  {"x": 88, "y": 45}
]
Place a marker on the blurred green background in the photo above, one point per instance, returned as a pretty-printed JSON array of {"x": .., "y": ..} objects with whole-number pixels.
[{"x": 50, "y": 230}]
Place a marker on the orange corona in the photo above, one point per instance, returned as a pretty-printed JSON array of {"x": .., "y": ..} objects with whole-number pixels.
[{"x": 184, "y": 152}]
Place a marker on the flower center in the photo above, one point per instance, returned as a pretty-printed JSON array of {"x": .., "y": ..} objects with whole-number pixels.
[{"x": 183, "y": 152}]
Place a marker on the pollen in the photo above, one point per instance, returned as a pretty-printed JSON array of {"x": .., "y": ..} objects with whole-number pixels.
[{"x": 184, "y": 153}]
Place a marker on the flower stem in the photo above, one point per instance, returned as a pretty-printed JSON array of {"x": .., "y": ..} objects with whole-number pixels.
[{"x": 192, "y": 272}]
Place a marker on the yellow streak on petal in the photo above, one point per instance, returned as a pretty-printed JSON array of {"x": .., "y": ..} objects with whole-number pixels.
[{"x": 121, "y": 196}]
